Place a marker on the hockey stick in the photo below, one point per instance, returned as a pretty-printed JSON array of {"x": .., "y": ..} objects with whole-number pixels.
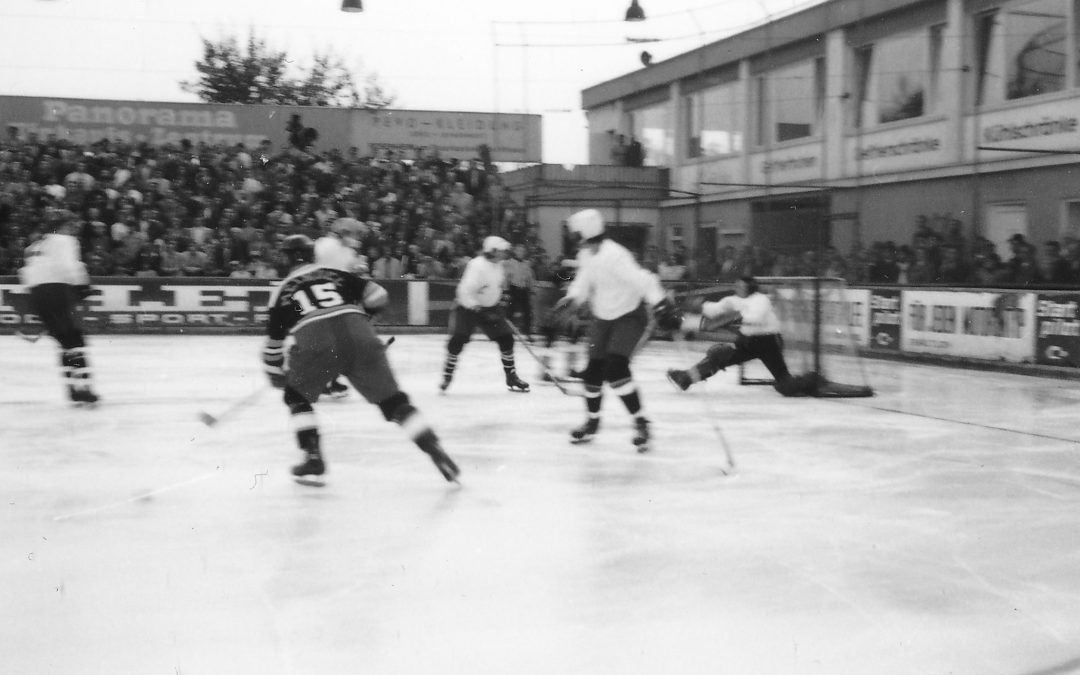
[
  {"x": 536, "y": 357},
  {"x": 679, "y": 340},
  {"x": 211, "y": 420}
]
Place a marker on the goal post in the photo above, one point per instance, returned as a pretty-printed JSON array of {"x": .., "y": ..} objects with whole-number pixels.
[{"x": 819, "y": 330}]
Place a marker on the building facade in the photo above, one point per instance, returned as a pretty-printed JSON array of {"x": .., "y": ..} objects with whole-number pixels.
[{"x": 851, "y": 121}]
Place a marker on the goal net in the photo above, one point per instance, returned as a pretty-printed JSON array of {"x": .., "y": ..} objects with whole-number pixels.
[{"x": 820, "y": 322}]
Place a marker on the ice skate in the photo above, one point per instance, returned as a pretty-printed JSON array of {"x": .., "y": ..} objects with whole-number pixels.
[
  {"x": 444, "y": 385},
  {"x": 337, "y": 389},
  {"x": 83, "y": 397},
  {"x": 311, "y": 472},
  {"x": 443, "y": 463},
  {"x": 585, "y": 432},
  {"x": 641, "y": 434},
  {"x": 679, "y": 378},
  {"x": 515, "y": 383}
]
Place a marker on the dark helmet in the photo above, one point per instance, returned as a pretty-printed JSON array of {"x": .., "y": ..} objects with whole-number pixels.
[
  {"x": 752, "y": 285},
  {"x": 298, "y": 248}
]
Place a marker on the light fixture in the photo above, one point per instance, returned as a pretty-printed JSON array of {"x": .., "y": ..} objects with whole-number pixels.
[
  {"x": 352, "y": 6},
  {"x": 634, "y": 12}
]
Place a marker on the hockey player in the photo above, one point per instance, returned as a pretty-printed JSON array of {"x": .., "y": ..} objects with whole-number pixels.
[
  {"x": 758, "y": 338},
  {"x": 479, "y": 304},
  {"x": 558, "y": 325},
  {"x": 337, "y": 250},
  {"x": 57, "y": 281},
  {"x": 614, "y": 287},
  {"x": 327, "y": 314}
]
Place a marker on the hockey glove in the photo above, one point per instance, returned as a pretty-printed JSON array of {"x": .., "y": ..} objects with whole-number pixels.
[
  {"x": 84, "y": 291},
  {"x": 668, "y": 316},
  {"x": 273, "y": 357}
]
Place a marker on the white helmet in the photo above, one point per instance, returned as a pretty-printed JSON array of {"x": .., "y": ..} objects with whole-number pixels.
[
  {"x": 494, "y": 243},
  {"x": 588, "y": 223}
]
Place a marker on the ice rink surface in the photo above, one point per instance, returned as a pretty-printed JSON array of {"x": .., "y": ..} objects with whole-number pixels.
[{"x": 932, "y": 529}]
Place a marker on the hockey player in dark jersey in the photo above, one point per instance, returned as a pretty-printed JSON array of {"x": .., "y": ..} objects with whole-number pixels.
[
  {"x": 562, "y": 330},
  {"x": 57, "y": 280},
  {"x": 326, "y": 314}
]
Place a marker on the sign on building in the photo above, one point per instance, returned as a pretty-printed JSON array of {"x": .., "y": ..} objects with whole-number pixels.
[{"x": 509, "y": 137}]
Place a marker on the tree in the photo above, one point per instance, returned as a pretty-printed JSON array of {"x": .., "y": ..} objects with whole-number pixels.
[{"x": 257, "y": 73}]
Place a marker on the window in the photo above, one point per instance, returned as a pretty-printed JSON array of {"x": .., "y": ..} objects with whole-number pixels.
[
  {"x": 897, "y": 77},
  {"x": 1021, "y": 50},
  {"x": 652, "y": 128},
  {"x": 790, "y": 101},
  {"x": 712, "y": 121}
]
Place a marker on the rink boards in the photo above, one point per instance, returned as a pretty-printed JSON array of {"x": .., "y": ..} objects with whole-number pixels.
[{"x": 985, "y": 325}]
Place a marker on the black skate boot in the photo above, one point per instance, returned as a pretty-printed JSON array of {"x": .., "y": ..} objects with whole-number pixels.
[
  {"x": 641, "y": 434},
  {"x": 680, "y": 378},
  {"x": 585, "y": 432},
  {"x": 311, "y": 471},
  {"x": 444, "y": 385},
  {"x": 443, "y": 463},
  {"x": 515, "y": 383},
  {"x": 83, "y": 397},
  {"x": 337, "y": 389}
]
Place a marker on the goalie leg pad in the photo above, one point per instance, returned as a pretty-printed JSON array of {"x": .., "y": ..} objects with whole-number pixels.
[
  {"x": 798, "y": 385},
  {"x": 718, "y": 357}
]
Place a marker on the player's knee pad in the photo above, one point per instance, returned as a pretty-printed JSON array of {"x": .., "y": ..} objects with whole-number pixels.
[
  {"x": 396, "y": 407},
  {"x": 617, "y": 368},
  {"x": 296, "y": 402},
  {"x": 456, "y": 344},
  {"x": 720, "y": 356},
  {"x": 594, "y": 372},
  {"x": 506, "y": 343}
]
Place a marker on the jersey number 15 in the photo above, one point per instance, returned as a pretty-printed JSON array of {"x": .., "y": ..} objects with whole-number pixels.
[{"x": 318, "y": 296}]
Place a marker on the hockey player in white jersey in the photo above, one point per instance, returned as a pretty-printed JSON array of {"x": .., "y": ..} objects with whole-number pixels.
[
  {"x": 480, "y": 304},
  {"x": 337, "y": 249},
  {"x": 758, "y": 338},
  {"x": 57, "y": 281},
  {"x": 618, "y": 293}
]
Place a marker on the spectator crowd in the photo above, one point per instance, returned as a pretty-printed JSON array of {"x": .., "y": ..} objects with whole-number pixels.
[
  {"x": 196, "y": 210},
  {"x": 938, "y": 253}
]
